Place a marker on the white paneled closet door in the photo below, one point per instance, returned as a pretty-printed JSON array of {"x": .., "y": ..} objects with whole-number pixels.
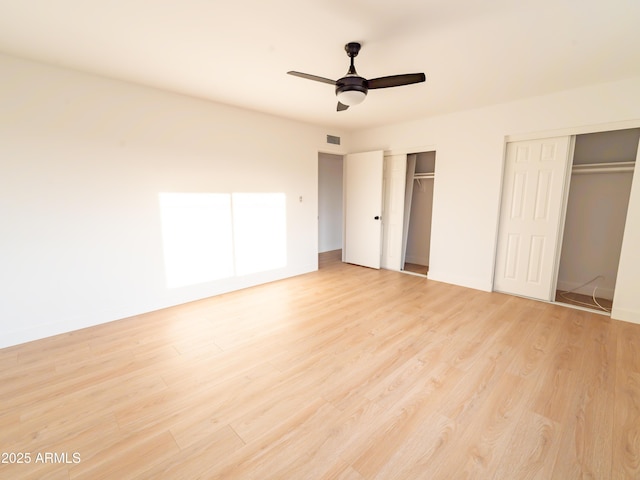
[{"x": 531, "y": 216}]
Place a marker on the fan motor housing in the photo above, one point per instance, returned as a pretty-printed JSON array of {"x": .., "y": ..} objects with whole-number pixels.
[{"x": 352, "y": 83}]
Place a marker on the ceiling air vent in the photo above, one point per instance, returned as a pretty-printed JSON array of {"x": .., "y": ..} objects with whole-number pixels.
[{"x": 333, "y": 139}]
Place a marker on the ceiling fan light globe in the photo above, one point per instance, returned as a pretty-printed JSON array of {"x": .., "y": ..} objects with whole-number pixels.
[{"x": 351, "y": 97}]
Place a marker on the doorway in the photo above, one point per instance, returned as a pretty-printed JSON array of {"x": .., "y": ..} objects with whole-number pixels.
[{"x": 330, "y": 208}]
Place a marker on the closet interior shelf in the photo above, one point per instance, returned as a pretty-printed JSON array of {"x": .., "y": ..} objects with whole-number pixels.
[{"x": 612, "y": 167}]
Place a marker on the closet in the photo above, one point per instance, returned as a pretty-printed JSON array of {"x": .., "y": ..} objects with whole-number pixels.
[
  {"x": 417, "y": 212},
  {"x": 408, "y": 183},
  {"x": 563, "y": 217},
  {"x": 598, "y": 198}
]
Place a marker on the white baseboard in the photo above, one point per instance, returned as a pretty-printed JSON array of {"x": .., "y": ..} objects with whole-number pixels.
[
  {"x": 475, "y": 283},
  {"x": 630, "y": 316},
  {"x": 110, "y": 313}
]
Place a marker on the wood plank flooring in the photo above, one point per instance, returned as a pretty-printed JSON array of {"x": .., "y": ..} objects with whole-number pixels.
[{"x": 345, "y": 373}]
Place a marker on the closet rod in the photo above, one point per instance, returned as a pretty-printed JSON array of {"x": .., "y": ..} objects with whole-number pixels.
[
  {"x": 419, "y": 176},
  {"x": 613, "y": 167}
]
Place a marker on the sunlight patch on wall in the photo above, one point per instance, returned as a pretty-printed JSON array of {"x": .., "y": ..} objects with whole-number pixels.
[
  {"x": 197, "y": 237},
  {"x": 212, "y": 236},
  {"x": 260, "y": 231}
]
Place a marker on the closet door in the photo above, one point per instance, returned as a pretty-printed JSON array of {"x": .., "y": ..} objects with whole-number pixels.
[
  {"x": 625, "y": 297},
  {"x": 395, "y": 172},
  {"x": 531, "y": 213},
  {"x": 363, "y": 208}
]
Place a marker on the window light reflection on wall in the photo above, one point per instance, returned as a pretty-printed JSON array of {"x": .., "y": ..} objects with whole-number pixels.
[{"x": 212, "y": 236}]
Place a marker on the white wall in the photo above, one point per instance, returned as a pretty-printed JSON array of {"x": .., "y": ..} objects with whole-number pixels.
[
  {"x": 329, "y": 202},
  {"x": 82, "y": 161},
  {"x": 470, "y": 149}
]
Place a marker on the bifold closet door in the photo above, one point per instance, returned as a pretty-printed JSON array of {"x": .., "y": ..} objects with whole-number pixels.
[
  {"x": 533, "y": 195},
  {"x": 395, "y": 179},
  {"x": 362, "y": 179}
]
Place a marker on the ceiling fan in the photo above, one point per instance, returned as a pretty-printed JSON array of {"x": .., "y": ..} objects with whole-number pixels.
[{"x": 352, "y": 88}]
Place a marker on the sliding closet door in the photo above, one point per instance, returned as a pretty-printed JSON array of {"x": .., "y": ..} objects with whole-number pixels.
[
  {"x": 533, "y": 196},
  {"x": 625, "y": 298}
]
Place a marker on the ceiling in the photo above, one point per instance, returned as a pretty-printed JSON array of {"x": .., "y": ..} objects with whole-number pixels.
[{"x": 473, "y": 52}]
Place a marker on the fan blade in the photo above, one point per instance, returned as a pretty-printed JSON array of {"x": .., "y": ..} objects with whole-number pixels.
[
  {"x": 341, "y": 107},
  {"x": 312, "y": 77},
  {"x": 396, "y": 80}
]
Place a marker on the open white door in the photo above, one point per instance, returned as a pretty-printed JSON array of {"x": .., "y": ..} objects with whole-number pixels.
[
  {"x": 363, "y": 208},
  {"x": 531, "y": 213}
]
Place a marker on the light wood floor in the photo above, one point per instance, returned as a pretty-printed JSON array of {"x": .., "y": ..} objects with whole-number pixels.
[{"x": 346, "y": 373}]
